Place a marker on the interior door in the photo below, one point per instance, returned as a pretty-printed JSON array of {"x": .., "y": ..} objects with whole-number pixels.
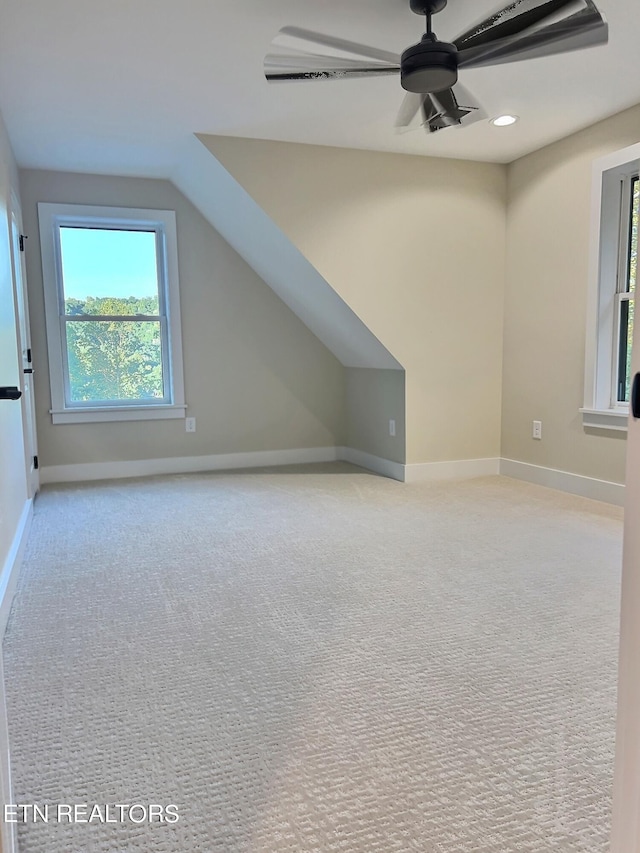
[
  {"x": 26, "y": 365},
  {"x": 626, "y": 801}
]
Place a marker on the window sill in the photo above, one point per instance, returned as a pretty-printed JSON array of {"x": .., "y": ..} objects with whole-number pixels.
[
  {"x": 609, "y": 419},
  {"x": 117, "y": 413}
]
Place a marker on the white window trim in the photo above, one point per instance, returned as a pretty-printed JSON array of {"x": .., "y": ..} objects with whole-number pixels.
[
  {"x": 600, "y": 410},
  {"x": 51, "y": 216}
]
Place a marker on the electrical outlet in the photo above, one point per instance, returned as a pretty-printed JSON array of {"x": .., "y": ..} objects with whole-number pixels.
[
  {"x": 190, "y": 424},
  {"x": 537, "y": 430},
  {"x": 392, "y": 428}
]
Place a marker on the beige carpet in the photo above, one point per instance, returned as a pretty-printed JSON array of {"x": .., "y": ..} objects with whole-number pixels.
[{"x": 317, "y": 661}]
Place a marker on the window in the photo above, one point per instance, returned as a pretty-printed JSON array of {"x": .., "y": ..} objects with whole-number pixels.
[
  {"x": 628, "y": 255},
  {"x": 112, "y": 313},
  {"x": 613, "y": 270}
]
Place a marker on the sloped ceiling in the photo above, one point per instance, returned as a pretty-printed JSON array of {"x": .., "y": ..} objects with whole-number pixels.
[{"x": 246, "y": 227}]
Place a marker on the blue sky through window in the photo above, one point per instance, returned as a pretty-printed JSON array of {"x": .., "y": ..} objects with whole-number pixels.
[{"x": 103, "y": 262}]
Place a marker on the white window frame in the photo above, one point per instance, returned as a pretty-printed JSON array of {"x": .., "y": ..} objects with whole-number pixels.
[
  {"x": 611, "y": 177},
  {"x": 163, "y": 222}
]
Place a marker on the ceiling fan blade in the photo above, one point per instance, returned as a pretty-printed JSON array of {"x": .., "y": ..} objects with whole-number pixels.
[
  {"x": 513, "y": 19},
  {"x": 442, "y": 109},
  {"x": 280, "y": 73},
  {"x": 316, "y": 62},
  {"x": 584, "y": 28},
  {"x": 291, "y": 58},
  {"x": 297, "y": 37},
  {"x": 409, "y": 109},
  {"x": 438, "y": 110},
  {"x": 466, "y": 101}
]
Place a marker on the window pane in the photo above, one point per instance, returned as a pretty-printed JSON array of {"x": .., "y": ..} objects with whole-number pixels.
[
  {"x": 624, "y": 353},
  {"x": 633, "y": 242},
  {"x": 109, "y": 271},
  {"x": 627, "y": 395},
  {"x": 111, "y": 361}
]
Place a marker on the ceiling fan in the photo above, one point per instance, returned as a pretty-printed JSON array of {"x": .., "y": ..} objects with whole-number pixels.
[{"x": 524, "y": 29}]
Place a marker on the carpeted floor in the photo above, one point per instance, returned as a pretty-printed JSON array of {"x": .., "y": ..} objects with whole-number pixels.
[{"x": 317, "y": 660}]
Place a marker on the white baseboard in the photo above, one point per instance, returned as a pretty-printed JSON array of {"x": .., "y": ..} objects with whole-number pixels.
[
  {"x": 11, "y": 568},
  {"x": 385, "y": 467},
  {"x": 183, "y": 464},
  {"x": 460, "y": 469},
  {"x": 421, "y": 472},
  {"x": 564, "y": 481},
  {"x": 82, "y": 472}
]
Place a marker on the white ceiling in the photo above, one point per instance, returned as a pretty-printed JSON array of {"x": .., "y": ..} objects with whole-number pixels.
[{"x": 117, "y": 86}]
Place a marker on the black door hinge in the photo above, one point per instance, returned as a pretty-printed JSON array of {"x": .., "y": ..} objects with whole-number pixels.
[
  {"x": 29, "y": 355},
  {"x": 36, "y": 465},
  {"x": 23, "y": 237}
]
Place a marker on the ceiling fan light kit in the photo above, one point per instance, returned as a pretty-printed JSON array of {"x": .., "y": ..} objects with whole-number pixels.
[
  {"x": 430, "y": 66},
  {"x": 525, "y": 29}
]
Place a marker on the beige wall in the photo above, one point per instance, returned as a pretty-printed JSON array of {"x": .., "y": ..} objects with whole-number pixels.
[
  {"x": 548, "y": 212},
  {"x": 374, "y": 397},
  {"x": 416, "y": 247},
  {"x": 255, "y": 377}
]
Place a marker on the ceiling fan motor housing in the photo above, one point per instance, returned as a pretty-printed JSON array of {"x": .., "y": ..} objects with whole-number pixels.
[
  {"x": 430, "y": 66},
  {"x": 427, "y": 7}
]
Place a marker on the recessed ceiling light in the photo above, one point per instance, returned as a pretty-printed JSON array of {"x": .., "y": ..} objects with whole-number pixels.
[{"x": 504, "y": 121}]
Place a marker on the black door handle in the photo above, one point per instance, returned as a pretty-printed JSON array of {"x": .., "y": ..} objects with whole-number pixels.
[
  {"x": 10, "y": 392},
  {"x": 635, "y": 396}
]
